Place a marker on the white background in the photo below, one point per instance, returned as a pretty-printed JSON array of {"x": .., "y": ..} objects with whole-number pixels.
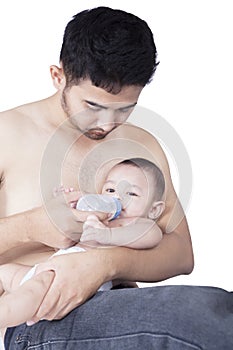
[{"x": 192, "y": 90}]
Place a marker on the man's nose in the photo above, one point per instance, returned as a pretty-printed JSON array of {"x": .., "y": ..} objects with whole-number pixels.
[{"x": 106, "y": 121}]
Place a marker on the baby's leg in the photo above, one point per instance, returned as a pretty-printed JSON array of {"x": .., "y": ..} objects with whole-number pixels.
[
  {"x": 22, "y": 303},
  {"x": 11, "y": 276}
]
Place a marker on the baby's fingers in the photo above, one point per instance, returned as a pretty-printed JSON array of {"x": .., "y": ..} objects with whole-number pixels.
[
  {"x": 89, "y": 234},
  {"x": 91, "y": 221}
]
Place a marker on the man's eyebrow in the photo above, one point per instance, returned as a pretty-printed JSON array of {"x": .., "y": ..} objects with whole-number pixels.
[
  {"x": 128, "y": 107},
  {"x": 94, "y": 104}
]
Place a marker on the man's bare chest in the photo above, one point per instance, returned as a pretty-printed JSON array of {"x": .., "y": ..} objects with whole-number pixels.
[{"x": 27, "y": 181}]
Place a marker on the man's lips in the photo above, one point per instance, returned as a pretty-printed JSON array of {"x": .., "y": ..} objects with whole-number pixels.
[{"x": 95, "y": 134}]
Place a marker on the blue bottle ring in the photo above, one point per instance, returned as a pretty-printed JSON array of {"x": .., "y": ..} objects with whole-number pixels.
[{"x": 118, "y": 208}]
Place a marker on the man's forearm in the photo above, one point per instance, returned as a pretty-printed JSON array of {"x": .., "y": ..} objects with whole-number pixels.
[
  {"x": 14, "y": 230},
  {"x": 37, "y": 226}
]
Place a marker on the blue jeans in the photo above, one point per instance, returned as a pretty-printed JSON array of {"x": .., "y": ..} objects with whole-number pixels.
[{"x": 161, "y": 318}]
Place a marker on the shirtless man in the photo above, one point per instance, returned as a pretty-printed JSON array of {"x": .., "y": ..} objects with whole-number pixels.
[
  {"x": 90, "y": 115},
  {"x": 107, "y": 58}
]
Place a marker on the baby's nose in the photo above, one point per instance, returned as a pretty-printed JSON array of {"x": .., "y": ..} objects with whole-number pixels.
[{"x": 122, "y": 188}]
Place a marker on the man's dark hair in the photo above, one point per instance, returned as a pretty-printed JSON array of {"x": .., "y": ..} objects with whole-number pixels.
[{"x": 110, "y": 47}]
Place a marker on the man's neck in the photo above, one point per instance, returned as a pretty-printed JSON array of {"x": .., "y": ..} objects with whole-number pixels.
[{"x": 56, "y": 113}]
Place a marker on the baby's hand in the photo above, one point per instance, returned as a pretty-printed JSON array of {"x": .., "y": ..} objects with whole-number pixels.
[
  {"x": 95, "y": 230},
  {"x": 93, "y": 221}
]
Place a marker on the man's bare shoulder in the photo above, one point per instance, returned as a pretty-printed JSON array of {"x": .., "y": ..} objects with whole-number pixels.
[
  {"x": 16, "y": 126},
  {"x": 9, "y": 126},
  {"x": 12, "y": 117},
  {"x": 19, "y": 120}
]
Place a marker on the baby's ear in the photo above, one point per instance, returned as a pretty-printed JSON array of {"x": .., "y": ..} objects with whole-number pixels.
[{"x": 156, "y": 210}]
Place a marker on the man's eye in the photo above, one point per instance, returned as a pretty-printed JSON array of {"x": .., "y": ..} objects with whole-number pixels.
[
  {"x": 94, "y": 108},
  {"x": 125, "y": 109}
]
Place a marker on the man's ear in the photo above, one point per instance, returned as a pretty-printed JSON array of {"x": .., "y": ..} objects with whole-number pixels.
[
  {"x": 156, "y": 210},
  {"x": 58, "y": 77}
]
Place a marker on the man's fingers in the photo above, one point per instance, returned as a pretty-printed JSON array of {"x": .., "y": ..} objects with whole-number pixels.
[
  {"x": 35, "y": 288},
  {"x": 43, "y": 267},
  {"x": 49, "y": 303},
  {"x": 44, "y": 278},
  {"x": 72, "y": 197}
]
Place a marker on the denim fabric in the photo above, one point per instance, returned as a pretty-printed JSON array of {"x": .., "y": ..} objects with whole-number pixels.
[{"x": 161, "y": 318}]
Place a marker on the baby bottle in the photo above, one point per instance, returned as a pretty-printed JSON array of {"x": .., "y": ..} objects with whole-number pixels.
[{"x": 100, "y": 202}]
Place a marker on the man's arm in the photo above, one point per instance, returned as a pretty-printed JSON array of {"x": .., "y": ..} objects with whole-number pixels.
[
  {"x": 173, "y": 256},
  {"x": 57, "y": 226},
  {"x": 29, "y": 226}
]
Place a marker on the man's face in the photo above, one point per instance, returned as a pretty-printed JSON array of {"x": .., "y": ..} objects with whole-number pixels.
[
  {"x": 94, "y": 111},
  {"x": 131, "y": 185}
]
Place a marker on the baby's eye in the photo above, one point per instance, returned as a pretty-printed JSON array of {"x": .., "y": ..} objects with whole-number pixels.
[
  {"x": 110, "y": 190},
  {"x": 132, "y": 194}
]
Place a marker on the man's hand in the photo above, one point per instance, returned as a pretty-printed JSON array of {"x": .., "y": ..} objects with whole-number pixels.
[
  {"x": 56, "y": 224},
  {"x": 77, "y": 277}
]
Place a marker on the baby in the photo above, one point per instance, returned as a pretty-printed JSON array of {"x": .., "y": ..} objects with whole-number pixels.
[{"x": 139, "y": 185}]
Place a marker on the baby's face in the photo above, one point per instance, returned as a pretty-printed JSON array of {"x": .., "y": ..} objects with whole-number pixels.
[{"x": 131, "y": 185}]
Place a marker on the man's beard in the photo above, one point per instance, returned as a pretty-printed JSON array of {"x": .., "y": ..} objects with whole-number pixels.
[
  {"x": 97, "y": 133},
  {"x": 93, "y": 133}
]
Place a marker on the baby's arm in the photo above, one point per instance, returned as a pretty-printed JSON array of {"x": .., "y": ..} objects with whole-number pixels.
[
  {"x": 138, "y": 233},
  {"x": 19, "y": 304}
]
